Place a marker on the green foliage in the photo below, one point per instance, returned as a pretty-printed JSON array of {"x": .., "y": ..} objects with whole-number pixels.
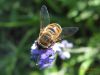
[
  {"x": 19, "y": 27},
  {"x": 95, "y": 41}
]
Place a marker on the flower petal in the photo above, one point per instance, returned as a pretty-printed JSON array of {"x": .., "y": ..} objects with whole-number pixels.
[
  {"x": 56, "y": 47},
  {"x": 65, "y": 55},
  {"x": 67, "y": 44},
  {"x": 34, "y": 46}
]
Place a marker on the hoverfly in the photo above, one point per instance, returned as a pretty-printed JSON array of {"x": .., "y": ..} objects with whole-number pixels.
[{"x": 50, "y": 33}]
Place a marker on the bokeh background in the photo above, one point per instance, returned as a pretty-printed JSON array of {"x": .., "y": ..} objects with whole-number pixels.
[{"x": 19, "y": 27}]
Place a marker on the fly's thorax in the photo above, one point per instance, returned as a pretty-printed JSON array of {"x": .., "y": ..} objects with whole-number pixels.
[{"x": 45, "y": 40}]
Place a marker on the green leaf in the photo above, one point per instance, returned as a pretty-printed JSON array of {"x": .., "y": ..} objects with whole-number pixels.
[{"x": 85, "y": 66}]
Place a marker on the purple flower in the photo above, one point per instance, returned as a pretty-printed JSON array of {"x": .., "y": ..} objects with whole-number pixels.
[
  {"x": 66, "y": 44},
  {"x": 60, "y": 49},
  {"x": 45, "y": 58},
  {"x": 42, "y": 58}
]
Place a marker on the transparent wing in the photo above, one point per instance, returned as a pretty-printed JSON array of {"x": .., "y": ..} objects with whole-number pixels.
[
  {"x": 68, "y": 31},
  {"x": 44, "y": 17}
]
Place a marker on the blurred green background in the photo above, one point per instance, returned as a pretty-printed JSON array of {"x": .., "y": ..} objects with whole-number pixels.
[{"x": 19, "y": 27}]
